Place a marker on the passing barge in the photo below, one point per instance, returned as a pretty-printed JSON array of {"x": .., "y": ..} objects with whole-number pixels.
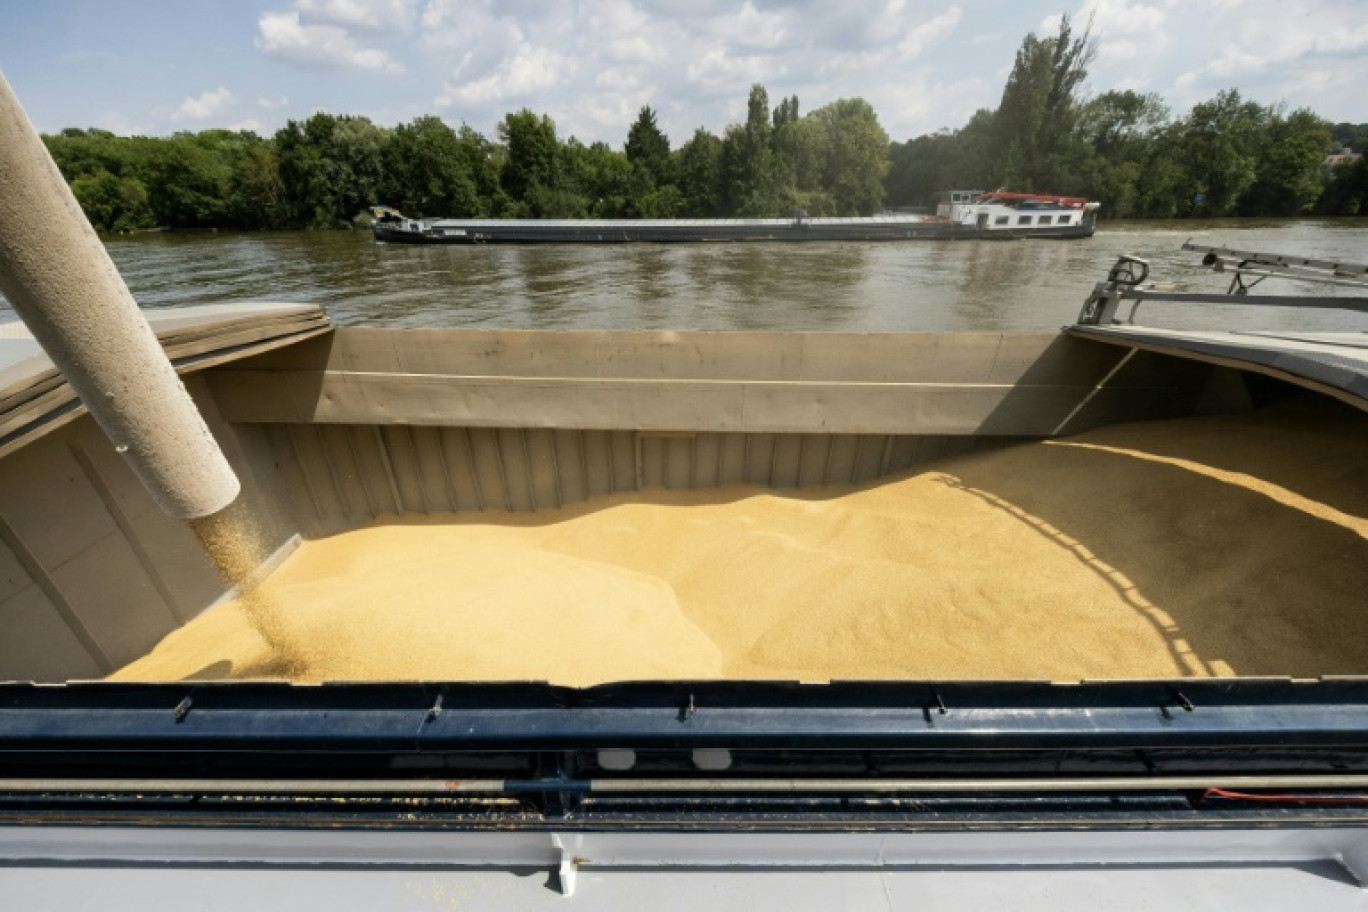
[{"x": 963, "y": 215}]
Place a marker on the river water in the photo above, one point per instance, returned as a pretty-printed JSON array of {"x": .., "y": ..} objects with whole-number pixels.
[{"x": 889, "y": 286}]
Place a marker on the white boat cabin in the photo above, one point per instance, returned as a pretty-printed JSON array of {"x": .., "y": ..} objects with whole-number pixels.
[{"x": 1018, "y": 213}]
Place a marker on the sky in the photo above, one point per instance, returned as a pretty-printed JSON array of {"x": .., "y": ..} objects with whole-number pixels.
[{"x": 154, "y": 67}]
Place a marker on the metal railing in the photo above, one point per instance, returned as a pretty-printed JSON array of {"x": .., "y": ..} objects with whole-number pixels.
[{"x": 1126, "y": 282}]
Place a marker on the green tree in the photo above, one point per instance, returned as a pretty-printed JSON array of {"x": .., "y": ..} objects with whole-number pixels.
[
  {"x": 601, "y": 176},
  {"x": 786, "y": 112},
  {"x": 1034, "y": 125},
  {"x": 187, "y": 184},
  {"x": 483, "y": 162},
  {"x": 803, "y": 150},
  {"x": 1168, "y": 188},
  {"x": 113, "y": 203},
  {"x": 748, "y": 161},
  {"x": 425, "y": 172},
  {"x": 1122, "y": 130},
  {"x": 1122, "y": 124},
  {"x": 248, "y": 178},
  {"x": 855, "y": 156},
  {"x": 697, "y": 166},
  {"x": 261, "y": 193},
  {"x": 1346, "y": 189},
  {"x": 648, "y": 149},
  {"x": 533, "y": 172},
  {"x": 946, "y": 160},
  {"x": 330, "y": 167},
  {"x": 794, "y": 159},
  {"x": 79, "y": 152},
  {"x": 1289, "y": 173},
  {"x": 1353, "y": 137},
  {"x": 1218, "y": 151}
]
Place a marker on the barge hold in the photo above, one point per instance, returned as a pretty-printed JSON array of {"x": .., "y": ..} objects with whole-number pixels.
[
  {"x": 437, "y": 790},
  {"x": 962, "y": 215},
  {"x": 1179, "y": 792}
]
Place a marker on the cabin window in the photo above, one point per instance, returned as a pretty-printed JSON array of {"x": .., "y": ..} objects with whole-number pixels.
[
  {"x": 1023, "y": 220},
  {"x": 1064, "y": 220},
  {"x": 1045, "y": 220},
  {"x": 1001, "y": 220}
]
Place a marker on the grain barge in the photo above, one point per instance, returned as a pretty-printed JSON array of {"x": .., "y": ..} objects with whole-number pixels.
[
  {"x": 1175, "y": 463},
  {"x": 1240, "y": 780},
  {"x": 962, "y": 215}
]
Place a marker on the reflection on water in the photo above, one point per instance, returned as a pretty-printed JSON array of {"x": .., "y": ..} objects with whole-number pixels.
[{"x": 891, "y": 286}]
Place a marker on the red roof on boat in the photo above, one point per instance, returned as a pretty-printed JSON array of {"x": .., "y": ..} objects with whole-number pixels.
[{"x": 1003, "y": 196}]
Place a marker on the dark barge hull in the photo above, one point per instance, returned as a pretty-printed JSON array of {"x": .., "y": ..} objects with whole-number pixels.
[{"x": 600, "y": 232}]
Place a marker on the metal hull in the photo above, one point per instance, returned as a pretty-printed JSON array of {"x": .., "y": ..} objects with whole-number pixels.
[{"x": 659, "y": 232}]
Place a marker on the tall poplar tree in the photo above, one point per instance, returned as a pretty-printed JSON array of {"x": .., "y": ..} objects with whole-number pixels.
[{"x": 1034, "y": 125}]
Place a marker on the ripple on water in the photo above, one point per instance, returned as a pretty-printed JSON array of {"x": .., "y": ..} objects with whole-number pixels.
[{"x": 889, "y": 287}]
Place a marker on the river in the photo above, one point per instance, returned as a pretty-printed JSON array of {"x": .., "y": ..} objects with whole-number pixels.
[{"x": 889, "y": 286}]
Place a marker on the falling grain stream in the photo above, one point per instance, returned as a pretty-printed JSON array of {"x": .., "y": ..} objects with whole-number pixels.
[{"x": 233, "y": 541}]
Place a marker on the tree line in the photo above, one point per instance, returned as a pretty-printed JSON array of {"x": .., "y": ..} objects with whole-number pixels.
[
  {"x": 322, "y": 172},
  {"x": 1227, "y": 156}
]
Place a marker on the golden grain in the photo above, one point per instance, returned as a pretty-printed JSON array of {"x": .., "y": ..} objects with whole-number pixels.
[{"x": 1207, "y": 546}]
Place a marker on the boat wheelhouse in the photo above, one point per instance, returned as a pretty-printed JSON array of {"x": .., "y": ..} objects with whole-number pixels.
[{"x": 1019, "y": 214}]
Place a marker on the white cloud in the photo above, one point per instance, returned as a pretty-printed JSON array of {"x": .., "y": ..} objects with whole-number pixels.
[
  {"x": 469, "y": 26},
  {"x": 529, "y": 71},
  {"x": 749, "y": 27},
  {"x": 381, "y": 18},
  {"x": 1282, "y": 44},
  {"x": 250, "y": 123},
  {"x": 922, "y": 104},
  {"x": 273, "y": 104},
  {"x": 285, "y": 37},
  {"x": 930, "y": 33},
  {"x": 1310, "y": 57},
  {"x": 203, "y": 106},
  {"x": 874, "y": 56},
  {"x": 587, "y": 64},
  {"x": 923, "y": 66},
  {"x": 719, "y": 70}
]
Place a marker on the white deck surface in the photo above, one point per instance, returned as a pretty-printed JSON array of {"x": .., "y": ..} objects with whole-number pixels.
[
  {"x": 267, "y": 869},
  {"x": 1320, "y": 886}
]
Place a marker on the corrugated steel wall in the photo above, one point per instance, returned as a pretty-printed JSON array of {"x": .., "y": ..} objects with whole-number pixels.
[{"x": 339, "y": 475}]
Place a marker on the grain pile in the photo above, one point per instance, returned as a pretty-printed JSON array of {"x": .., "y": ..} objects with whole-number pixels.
[{"x": 1206, "y": 546}]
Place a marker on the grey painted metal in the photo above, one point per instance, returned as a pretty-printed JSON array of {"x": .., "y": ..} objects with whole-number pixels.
[
  {"x": 657, "y": 785},
  {"x": 265, "y": 845},
  {"x": 1074, "y": 223},
  {"x": 155, "y": 868},
  {"x": 59, "y": 279},
  {"x": 92, "y": 574},
  {"x": 1318, "y": 885},
  {"x": 1125, "y": 282},
  {"x": 1331, "y": 363},
  {"x": 35, "y": 398},
  {"x": 980, "y": 384},
  {"x": 1300, "y": 302},
  {"x": 93, "y": 583},
  {"x": 1300, "y": 267}
]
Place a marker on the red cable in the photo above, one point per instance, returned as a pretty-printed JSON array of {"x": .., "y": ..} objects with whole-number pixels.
[{"x": 1284, "y": 799}]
